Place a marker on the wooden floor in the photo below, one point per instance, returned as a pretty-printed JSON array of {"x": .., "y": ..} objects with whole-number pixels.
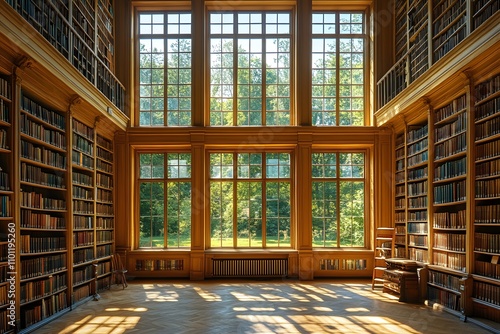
[{"x": 251, "y": 306}]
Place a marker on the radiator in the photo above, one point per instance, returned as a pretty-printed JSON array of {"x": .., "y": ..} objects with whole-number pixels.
[{"x": 249, "y": 267}]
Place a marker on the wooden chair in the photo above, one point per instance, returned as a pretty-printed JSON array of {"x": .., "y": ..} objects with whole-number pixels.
[{"x": 118, "y": 271}]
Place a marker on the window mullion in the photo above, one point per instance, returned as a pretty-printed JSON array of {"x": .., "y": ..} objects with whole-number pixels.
[
  {"x": 235, "y": 199},
  {"x": 337, "y": 69},
  {"x": 235, "y": 76},
  {"x": 165, "y": 77}
]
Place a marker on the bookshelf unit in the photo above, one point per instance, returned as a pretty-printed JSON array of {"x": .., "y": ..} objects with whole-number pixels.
[
  {"x": 449, "y": 185},
  {"x": 43, "y": 229},
  {"x": 82, "y": 158},
  {"x": 401, "y": 28},
  {"x": 486, "y": 272},
  {"x": 400, "y": 198},
  {"x": 105, "y": 33},
  {"x": 483, "y": 10},
  {"x": 418, "y": 36},
  {"x": 449, "y": 25},
  {"x": 417, "y": 158},
  {"x": 6, "y": 193},
  {"x": 105, "y": 222}
]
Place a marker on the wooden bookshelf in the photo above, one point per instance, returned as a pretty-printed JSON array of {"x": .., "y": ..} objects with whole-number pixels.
[
  {"x": 486, "y": 219},
  {"x": 418, "y": 33},
  {"x": 482, "y": 10},
  {"x": 401, "y": 28},
  {"x": 83, "y": 192},
  {"x": 449, "y": 25},
  {"x": 400, "y": 198},
  {"x": 6, "y": 193},
  {"x": 105, "y": 222},
  {"x": 105, "y": 33},
  {"x": 42, "y": 240}
]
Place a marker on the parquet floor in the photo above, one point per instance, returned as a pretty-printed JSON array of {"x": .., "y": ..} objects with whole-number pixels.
[{"x": 251, "y": 306}]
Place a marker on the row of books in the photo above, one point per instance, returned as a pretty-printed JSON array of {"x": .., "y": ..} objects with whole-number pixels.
[
  {"x": 487, "y": 214},
  {"x": 43, "y": 265},
  {"x": 4, "y": 139},
  {"x": 446, "y": 12},
  {"x": 400, "y": 177},
  {"x": 454, "y": 107},
  {"x": 29, "y": 244},
  {"x": 451, "y": 146},
  {"x": 450, "y": 241},
  {"x": 417, "y": 203},
  {"x": 173, "y": 264},
  {"x": 83, "y": 130},
  {"x": 103, "y": 251},
  {"x": 45, "y": 221},
  {"x": 487, "y": 269},
  {"x": 83, "y": 238},
  {"x": 82, "y": 193},
  {"x": 417, "y": 14},
  {"x": 49, "y": 116},
  {"x": 488, "y": 168},
  {"x": 417, "y": 240},
  {"x": 82, "y": 179},
  {"x": 33, "y": 174},
  {"x": 485, "y": 12},
  {"x": 418, "y": 146},
  {"x": 448, "y": 281},
  {"x": 105, "y": 223},
  {"x": 400, "y": 165},
  {"x": 81, "y": 159},
  {"x": 400, "y": 153},
  {"x": 4, "y": 111},
  {"x": 420, "y": 255},
  {"x": 81, "y": 292},
  {"x": 417, "y": 188},
  {"x": 83, "y": 255},
  {"x": 417, "y": 216},
  {"x": 43, "y": 155},
  {"x": 104, "y": 236},
  {"x": 104, "y": 167},
  {"x": 37, "y": 289},
  {"x": 39, "y": 201},
  {"x": 400, "y": 203},
  {"x": 487, "y": 292},
  {"x": 451, "y": 169},
  {"x": 418, "y": 159},
  {"x": 488, "y": 150},
  {"x": 449, "y": 193},
  {"x": 105, "y": 143},
  {"x": 83, "y": 274},
  {"x": 104, "y": 195},
  {"x": 104, "y": 209},
  {"x": 417, "y": 174},
  {"x": 488, "y": 188},
  {"x": 82, "y": 222},
  {"x": 417, "y": 134},
  {"x": 400, "y": 190},
  {"x": 487, "y": 242},
  {"x": 449, "y": 260},
  {"x": 450, "y": 129},
  {"x": 5, "y": 89},
  {"x": 83, "y": 207},
  {"x": 445, "y": 42},
  {"x": 5, "y": 206},
  {"x": 487, "y": 88},
  {"x": 4, "y": 180},
  {"x": 446, "y": 298},
  {"x": 4, "y": 252},
  {"x": 453, "y": 220},
  {"x": 104, "y": 154},
  {"x": 104, "y": 181},
  {"x": 324, "y": 264},
  {"x": 82, "y": 144},
  {"x": 487, "y": 109},
  {"x": 103, "y": 268},
  {"x": 48, "y": 307},
  {"x": 489, "y": 128}
]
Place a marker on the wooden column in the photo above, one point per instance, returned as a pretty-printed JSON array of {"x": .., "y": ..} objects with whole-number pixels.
[{"x": 304, "y": 58}]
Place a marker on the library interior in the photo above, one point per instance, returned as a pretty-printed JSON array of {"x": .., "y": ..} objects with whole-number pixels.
[{"x": 210, "y": 140}]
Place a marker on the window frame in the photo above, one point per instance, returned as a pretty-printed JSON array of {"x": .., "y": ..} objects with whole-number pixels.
[
  {"x": 365, "y": 36},
  {"x": 165, "y": 180},
  {"x": 337, "y": 180},
  {"x": 234, "y": 181}
]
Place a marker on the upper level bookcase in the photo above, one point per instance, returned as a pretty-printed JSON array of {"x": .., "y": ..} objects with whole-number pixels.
[
  {"x": 425, "y": 32},
  {"x": 83, "y": 32}
]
